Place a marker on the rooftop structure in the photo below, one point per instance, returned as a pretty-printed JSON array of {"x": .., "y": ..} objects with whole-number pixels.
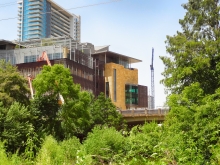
[
  {"x": 45, "y": 19},
  {"x": 29, "y": 51},
  {"x": 109, "y": 56},
  {"x": 6, "y": 45}
]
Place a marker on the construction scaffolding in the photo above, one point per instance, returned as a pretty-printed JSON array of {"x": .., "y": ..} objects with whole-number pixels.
[
  {"x": 62, "y": 50},
  {"x": 56, "y": 48}
]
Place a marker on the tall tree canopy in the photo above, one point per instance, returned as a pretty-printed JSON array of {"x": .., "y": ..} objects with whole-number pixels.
[
  {"x": 13, "y": 87},
  {"x": 195, "y": 51},
  {"x": 192, "y": 74},
  {"x": 14, "y": 126},
  {"x": 54, "y": 80},
  {"x": 73, "y": 116},
  {"x": 104, "y": 112}
]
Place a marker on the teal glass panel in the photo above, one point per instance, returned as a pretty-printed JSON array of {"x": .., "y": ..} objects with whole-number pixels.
[{"x": 131, "y": 94}]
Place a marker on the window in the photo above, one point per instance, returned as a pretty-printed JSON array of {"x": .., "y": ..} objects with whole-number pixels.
[
  {"x": 131, "y": 94},
  {"x": 107, "y": 89},
  {"x": 115, "y": 83},
  {"x": 56, "y": 55},
  {"x": 28, "y": 59}
]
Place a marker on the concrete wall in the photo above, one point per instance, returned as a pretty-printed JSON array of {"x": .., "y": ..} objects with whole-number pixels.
[{"x": 123, "y": 76}]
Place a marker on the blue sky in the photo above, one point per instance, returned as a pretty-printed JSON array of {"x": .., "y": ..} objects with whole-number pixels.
[{"x": 130, "y": 27}]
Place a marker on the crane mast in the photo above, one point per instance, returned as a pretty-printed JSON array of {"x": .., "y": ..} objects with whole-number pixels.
[
  {"x": 152, "y": 100},
  {"x": 30, "y": 84}
]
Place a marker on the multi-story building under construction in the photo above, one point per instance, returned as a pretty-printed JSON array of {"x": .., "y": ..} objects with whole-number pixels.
[{"x": 96, "y": 69}]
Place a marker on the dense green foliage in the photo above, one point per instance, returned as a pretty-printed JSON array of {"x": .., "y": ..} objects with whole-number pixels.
[
  {"x": 103, "y": 112},
  {"x": 195, "y": 53},
  {"x": 13, "y": 86},
  {"x": 103, "y": 145},
  {"x": 75, "y": 116},
  {"x": 191, "y": 76},
  {"x": 42, "y": 130},
  {"x": 14, "y": 126},
  {"x": 54, "y": 80},
  {"x": 46, "y": 121},
  {"x": 87, "y": 130}
]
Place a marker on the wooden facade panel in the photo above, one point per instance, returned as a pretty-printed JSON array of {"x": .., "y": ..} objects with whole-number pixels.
[{"x": 142, "y": 96}]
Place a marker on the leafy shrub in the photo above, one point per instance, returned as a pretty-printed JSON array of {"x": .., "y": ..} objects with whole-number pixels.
[
  {"x": 144, "y": 144},
  {"x": 3, "y": 156},
  {"x": 52, "y": 152},
  {"x": 103, "y": 145}
]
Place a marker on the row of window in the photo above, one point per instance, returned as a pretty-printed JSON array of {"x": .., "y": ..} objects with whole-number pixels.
[
  {"x": 59, "y": 26},
  {"x": 58, "y": 20},
  {"x": 35, "y": 6},
  {"x": 33, "y": 58},
  {"x": 60, "y": 14},
  {"x": 80, "y": 73}
]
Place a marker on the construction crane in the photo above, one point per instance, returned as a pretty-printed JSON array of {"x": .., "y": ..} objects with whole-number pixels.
[
  {"x": 30, "y": 84},
  {"x": 152, "y": 81},
  {"x": 44, "y": 57}
]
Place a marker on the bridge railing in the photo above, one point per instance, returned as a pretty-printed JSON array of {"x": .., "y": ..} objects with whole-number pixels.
[{"x": 145, "y": 112}]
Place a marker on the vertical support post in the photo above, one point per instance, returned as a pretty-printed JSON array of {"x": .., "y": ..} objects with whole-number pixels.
[
  {"x": 61, "y": 53},
  {"x": 70, "y": 49},
  {"x": 95, "y": 77},
  {"x": 103, "y": 75},
  {"x": 53, "y": 52},
  {"x": 74, "y": 58},
  {"x": 36, "y": 54}
]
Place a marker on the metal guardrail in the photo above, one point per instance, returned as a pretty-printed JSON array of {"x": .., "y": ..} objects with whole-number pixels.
[{"x": 144, "y": 112}]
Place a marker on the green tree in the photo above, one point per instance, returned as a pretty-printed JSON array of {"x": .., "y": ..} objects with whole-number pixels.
[
  {"x": 54, "y": 80},
  {"x": 45, "y": 116},
  {"x": 192, "y": 76},
  {"x": 191, "y": 130},
  {"x": 194, "y": 52},
  {"x": 73, "y": 117},
  {"x": 53, "y": 152},
  {"x": 14, "y": 126},
  {"x": 206, "y": 127},
  {"x": 103, "y": 146},
  {"x": 13, "y": 87},
  {"x": 104, "y": 112},
  {"x": 144, "y": 145},
  {"x": 76, "y": 120},
  {"x": 178, "y": 141}
]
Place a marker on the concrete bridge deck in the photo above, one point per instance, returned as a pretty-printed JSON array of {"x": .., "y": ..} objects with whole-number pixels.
[{"x": 142, "y": 115}]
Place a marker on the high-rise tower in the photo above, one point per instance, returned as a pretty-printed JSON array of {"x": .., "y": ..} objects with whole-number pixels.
[{"x": 45, "y": 19}]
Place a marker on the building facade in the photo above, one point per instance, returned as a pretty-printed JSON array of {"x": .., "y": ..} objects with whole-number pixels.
[
  {"x": 45, "y": 19},
  {"x": 115, "y": 77},
  {"x": 96, "y": 69},
  {"x": 65, "y": 51}
]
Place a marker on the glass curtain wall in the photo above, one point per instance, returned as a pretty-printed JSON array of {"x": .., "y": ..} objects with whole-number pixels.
[
  {"x": 131, "y": 94},
  {"x": 46, "y": 17},
  {"x": 36, "y": 19}
]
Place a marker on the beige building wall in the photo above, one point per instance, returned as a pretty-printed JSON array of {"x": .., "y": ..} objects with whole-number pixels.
[{"x": 123, "y": 76}]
